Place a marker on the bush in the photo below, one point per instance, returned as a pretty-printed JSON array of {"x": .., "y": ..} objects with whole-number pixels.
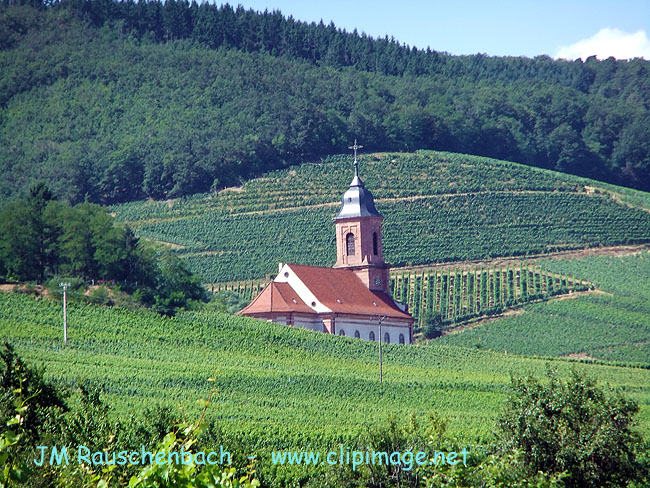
[
  {"x": 574, "y": 427},
  {"x": 390, "y": 436},
  {"x": 19, "y": 381},
  {"x": 101, "y": 296},
  {"x": 227, "y": 301},
  {"x": 30, "y": 410},
  {"x": 433, "y": 326},
  {"x": 32, "y": 413}
]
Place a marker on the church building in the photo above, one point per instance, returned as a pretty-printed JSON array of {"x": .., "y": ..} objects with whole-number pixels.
[{"x": 352, "y": 298}]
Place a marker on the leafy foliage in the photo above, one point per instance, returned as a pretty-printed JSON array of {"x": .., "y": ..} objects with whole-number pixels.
[
  {"x": 432, "y": 327},
  {"x": 574, "y": 426},
  {"x": 237, "y": 93},
  {"x": 29, "y": 406},
  {"x": 187, "y": 475},
  {"x": 88, "y": 424},
  {"x": 19, "y": 383},
  {"x": 13, "y": 470},
  {"x": 42, "y": 238},
  {"x": 176, "y": 286},
  {"x": 230, "y": 301}
]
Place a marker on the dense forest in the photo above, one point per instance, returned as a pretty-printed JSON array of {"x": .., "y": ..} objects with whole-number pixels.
[{"x": 115, "y": 101}]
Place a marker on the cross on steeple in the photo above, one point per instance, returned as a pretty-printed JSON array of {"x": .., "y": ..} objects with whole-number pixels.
[{"x": 356, "y": 163}]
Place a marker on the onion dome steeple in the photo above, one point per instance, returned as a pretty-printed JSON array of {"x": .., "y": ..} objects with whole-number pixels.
[
  {"x": 358, "y": 235},
  {"x": 357, "y": 200}
]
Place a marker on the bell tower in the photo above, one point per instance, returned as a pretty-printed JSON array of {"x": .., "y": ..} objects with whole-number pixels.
[{"x": 358, "y": 234}]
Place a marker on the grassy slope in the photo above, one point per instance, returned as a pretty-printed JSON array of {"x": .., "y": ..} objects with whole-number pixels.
[
  {"x": 613, "y": 324},
  {"x": 451, "y": 207},
  {"x": 276, "y": 385}
]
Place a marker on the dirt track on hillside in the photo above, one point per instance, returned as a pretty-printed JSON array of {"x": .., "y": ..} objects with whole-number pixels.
[
  {"x": 618, "y": 251},
  {"x": 37, "y": 290}
]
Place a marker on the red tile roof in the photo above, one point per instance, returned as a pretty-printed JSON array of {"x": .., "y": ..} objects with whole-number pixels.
[
  {"x": 342, "y": 291},
  {"x": 276, "y": 297}
]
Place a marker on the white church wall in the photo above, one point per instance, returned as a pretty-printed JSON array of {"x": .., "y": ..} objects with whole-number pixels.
[
  {"x": 365, "y": 327},
  {"x": 307, "y": 323}
]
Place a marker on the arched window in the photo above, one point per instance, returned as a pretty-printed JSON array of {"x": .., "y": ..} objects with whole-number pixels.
[
  {"x": 371, "y": 336},
  {"x": 356, "y": 334},
  {"x": 349, "y": 243},
  {"x": 374, "y": 244},
  {"x": 401, "y": 338},
  {"x": 341, "y": 332},
  {"x": 386, "y": 338}
]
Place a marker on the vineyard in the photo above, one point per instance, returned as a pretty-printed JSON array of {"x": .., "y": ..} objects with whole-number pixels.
[
  {"x": 439, "y": 207},
  {"x": 457, "y": 295},
  {"x": 396, "y": 175},
  {"x": 276, "y": 385},
  {"x": 612, "y": 324}
]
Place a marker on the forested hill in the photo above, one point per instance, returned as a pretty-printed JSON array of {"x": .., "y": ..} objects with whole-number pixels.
[{"x": 115, "y": 101}]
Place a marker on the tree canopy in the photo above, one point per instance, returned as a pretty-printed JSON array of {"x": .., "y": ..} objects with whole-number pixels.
[
  {"x": 41, "y": 238},
  {"x": 114, "y": 101}
]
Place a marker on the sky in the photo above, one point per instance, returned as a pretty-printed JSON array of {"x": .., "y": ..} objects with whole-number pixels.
[{"x": 569, "y": 29}]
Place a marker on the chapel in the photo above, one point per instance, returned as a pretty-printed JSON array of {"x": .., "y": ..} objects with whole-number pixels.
[{"x": 353, "y": 297}]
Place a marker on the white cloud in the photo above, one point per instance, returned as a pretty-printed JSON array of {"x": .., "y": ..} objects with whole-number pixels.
[{"x": 609, "y": 42}]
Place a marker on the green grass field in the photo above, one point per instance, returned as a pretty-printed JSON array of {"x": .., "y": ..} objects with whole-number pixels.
[
  {"x": 277, "y": 386},
  {"x": 439, "y": 207}
]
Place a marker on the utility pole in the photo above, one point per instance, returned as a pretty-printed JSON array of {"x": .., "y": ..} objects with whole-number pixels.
[
  {"x": 65, "y": 314},
  {"x": 379, "y": 318}
]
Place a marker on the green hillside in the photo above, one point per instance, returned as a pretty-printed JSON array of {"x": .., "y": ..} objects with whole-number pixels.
[
  {"x": 611, "y": 323},
  {"x": 277, "y": 386},
  {"x": 114, "y": 101},
  {"x": 441, "y": 207},
  {"x": 438, "y": 206}
]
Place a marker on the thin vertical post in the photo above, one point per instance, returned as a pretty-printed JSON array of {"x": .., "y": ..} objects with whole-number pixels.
[
  {"x": 380, "y": 319},
  {"x": 381, "y": 362},
  {"x": 65, "y": 311}
]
